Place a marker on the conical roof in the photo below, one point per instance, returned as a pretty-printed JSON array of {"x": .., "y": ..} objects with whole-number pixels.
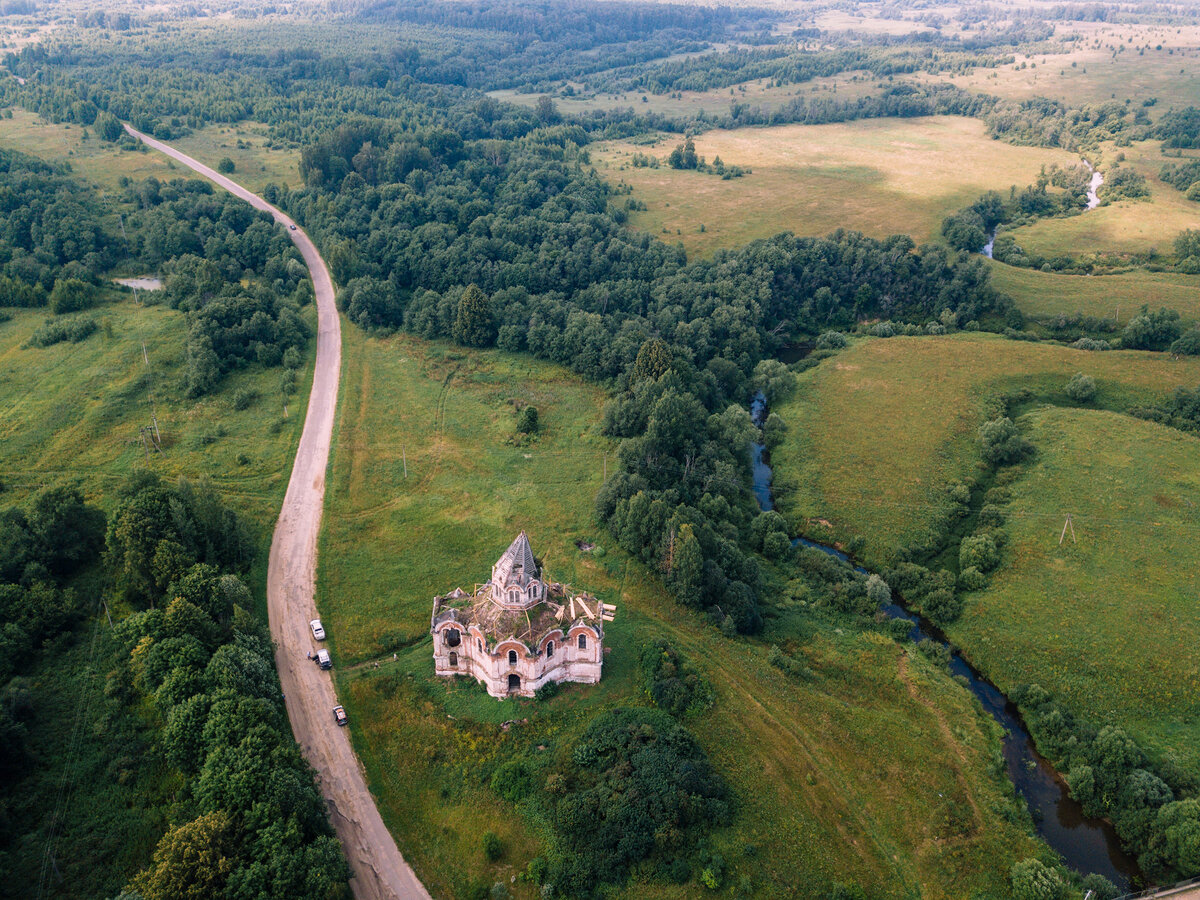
[{"x": 517, "y": 565}]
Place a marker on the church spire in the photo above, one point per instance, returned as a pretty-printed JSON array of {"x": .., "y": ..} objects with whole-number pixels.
[{"x": 516, "y": 566}]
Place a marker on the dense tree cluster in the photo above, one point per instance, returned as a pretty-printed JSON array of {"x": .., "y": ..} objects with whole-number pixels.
[
  {"x": 1111, "y": 776},
  {"x": 249, "y": 821},
  {"x": 40, "y": 549},
  {"x": 670, "y": 683},
  {"x": 207, "y": 244},
  {"x": 51, "y": 239},
  {"x": 1179, "y": 128},
  {"x": 637, "y": 787}
]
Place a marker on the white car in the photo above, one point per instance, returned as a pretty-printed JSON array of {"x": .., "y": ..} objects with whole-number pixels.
[{"x": 318, "y": 630}]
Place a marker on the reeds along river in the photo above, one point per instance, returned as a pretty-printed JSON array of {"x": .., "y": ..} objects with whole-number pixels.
[{"x": 1085, "y": 844}]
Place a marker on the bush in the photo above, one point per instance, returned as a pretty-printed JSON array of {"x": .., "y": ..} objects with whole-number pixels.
[
  {"x": 1001, "y": 443},
  {"x": 978, "y": 552},
  {"x": 1086, "y": 343},
  {"x": 1081, "y": 388},
  {"x": 1188, "y": 344},
  {"x": 671, "y": 683},
  {"x": 56, "y": 332},
  {"x": 831, "y": 340},
  {"x": 71, "y": 295},
  {"x": 492, "y": 848},
  {"x": 1151, "y": 331},
  {"x": 243, "y": 398},
  {"x": 971, "y": 579},
  {"x": 225, "y": 166},
  {"x": 527, "y": 420},
  {"x": 1034, "y": 880}
]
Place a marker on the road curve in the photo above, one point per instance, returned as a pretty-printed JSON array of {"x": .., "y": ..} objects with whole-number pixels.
[{"x": 379, "y": 871}]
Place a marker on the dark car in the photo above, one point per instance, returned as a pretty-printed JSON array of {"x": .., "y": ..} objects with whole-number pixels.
[
  {"x": 292, "y": 227},
  {"x": 339, "y": 715}
]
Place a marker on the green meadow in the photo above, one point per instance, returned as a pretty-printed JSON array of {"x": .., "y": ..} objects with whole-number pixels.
[
  {"x": 877, "y": 176},
  {"x": 1109, "y": 620},
  {"x": 1044, "y": 295},
  {"x": 72, "y": 412},
  {"x": 878, "y": 432},
  {"x": 104, "y": 164},
  {"x": 880, "y": 770},
  {"x": 1124, "y": 227}
]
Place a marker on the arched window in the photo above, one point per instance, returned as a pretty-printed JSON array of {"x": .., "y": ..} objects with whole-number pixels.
[
  {"x": 479, "y": 641},
  {"x": 583, "y": 642},
  {"x": 512, "y": 657},
  {"x": 549, "y": 649},
  {"x": 453, "y": 658},
  {"x": 452, "y": 637}
]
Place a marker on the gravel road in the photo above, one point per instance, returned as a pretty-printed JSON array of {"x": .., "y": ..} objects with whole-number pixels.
[{"x": 379, "y": 871}]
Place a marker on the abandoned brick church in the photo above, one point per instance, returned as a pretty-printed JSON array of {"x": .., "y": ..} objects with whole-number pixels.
[{"x": 519, "y": 631}]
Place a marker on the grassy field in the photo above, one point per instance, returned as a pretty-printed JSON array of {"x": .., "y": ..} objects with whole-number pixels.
[
  {"x": 104, "y": 165},
  {"x": 1088, "y": 72},
  {"x": 1110, "y": 623},
  {"x": 1043, "y": 295},
  {"x": 878, "y": 176},
  {"x": 877, "y": 772},
  {"x": 71, "y": 412},
  {"x": 1124, "y": 227},
  {"x": 877, "y": 432}
]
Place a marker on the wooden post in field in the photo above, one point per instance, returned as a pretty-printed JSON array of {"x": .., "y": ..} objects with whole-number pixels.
[{"x": 1067, "y": 524}]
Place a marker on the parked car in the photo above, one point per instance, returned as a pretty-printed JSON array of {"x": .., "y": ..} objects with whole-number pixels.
[
  {"x": 292, "y": 227},
  {"x": 339, "y": 715},
  {"x": 323, "y": 659},
  {"x": 318, "y": 629}
]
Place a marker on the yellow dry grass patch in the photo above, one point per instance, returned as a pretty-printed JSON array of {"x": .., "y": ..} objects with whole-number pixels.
[{"x": 878, "y": 176}]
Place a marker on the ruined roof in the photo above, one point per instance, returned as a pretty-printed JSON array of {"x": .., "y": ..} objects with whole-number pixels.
[
  {"x": 561, "y": 609},
  {"x": 516, "y": 566}
]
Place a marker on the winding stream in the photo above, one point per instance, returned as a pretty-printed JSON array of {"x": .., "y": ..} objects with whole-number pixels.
[
  {"x": 1085, "y": 844},
  {"x": 1093, "y": 200}
]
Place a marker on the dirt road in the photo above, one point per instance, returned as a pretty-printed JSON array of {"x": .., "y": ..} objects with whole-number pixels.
[{"x": 379, "y": 869}]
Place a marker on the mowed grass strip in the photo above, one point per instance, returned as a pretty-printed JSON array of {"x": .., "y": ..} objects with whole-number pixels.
[
  {"x": 1110, "y": 621},
  {"x": 880, "y": 771},
  {"x": 877, "y": 432},
  {"x": 1043, "y": 295},
  {"x": 877, "y": 176}
]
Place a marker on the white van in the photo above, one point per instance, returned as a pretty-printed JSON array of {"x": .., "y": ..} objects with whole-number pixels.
[
  {"x": 323, "y": 659},
  {"x": 318, "y": 629}
]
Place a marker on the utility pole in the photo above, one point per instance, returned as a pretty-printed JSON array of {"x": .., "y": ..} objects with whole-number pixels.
[
  {"x": 1067, "y": 524},
  {"x": 145, "y": 356},
  {"x": 404, "y": 456}
]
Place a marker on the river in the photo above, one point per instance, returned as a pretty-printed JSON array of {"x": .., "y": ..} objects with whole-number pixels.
[
  {"x": 1093, "y": 200},
  {"x": 1085, "y": 844}
]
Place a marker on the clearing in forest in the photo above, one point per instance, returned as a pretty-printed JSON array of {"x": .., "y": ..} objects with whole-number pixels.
[
  {"x": 877, "y": 176},
  {"x": 855, "y": 761}
]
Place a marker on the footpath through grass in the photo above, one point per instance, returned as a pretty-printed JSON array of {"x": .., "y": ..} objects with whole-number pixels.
[
  {"x": 1110, "y": 623},
  {"x": 877, "y": 432},
  {"x": 880, "y": 770}
]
